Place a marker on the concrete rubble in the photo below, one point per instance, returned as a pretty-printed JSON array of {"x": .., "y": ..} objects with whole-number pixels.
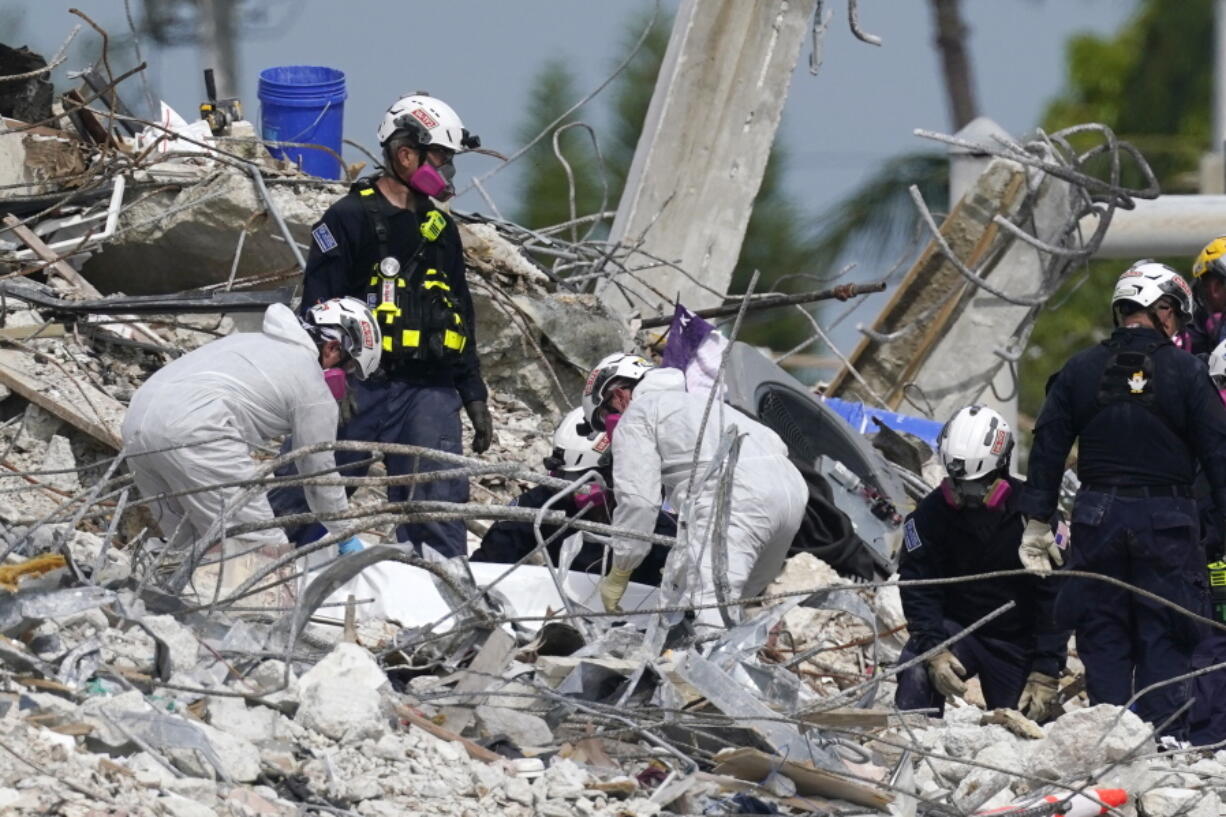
[{"x": 116, "y": 697}]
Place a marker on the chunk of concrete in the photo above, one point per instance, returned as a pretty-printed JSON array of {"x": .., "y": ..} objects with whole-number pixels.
[
  {"x": 340, "y": 697},
  {"x": 258, "y": 724},
  {"x": 981, "y": 785},
  {"x": 175, "y": 805},
  {"x": 240, "y": 760},
  {"x": 1083, "y": 739},
  {"x": 249, "y": 803},
  {"x": 179, "y": 640},
  {"x": 1171, "y": 802},
  {"x": 59, "y": 458},
  {"x": 38, "y": 426},
  {"x": 523, "y": 728}
]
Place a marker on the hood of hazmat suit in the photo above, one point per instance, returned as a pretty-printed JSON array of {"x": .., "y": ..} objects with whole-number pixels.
[
  {"x": 653, "y": 457},
  {"x": 251, "y": 385}
]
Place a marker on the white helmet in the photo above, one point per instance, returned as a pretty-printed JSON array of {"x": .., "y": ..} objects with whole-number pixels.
[
  {"x": 975, "y": 443},
  {"x": 350, "y": 322},
  {"x": 432, "y": 122},
  {"x": 1217, "y": 364},
  {"x": 1146, "y": 281},
  {"x": 574, "y": 452},
  {"x": 618, "y": 366}
]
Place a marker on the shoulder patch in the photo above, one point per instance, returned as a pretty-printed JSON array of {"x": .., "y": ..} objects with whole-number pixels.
[
  {"x": 323, "y": 238},
  {"x": 911, "y": 537}
]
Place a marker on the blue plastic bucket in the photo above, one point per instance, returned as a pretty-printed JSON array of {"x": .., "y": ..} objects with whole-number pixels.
[{"x": 304, "y": 103}]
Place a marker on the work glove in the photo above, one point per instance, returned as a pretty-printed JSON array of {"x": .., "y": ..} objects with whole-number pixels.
[
  {"x": 946, "y": 672},
  {"x": 1039, "y": 696},
  {"x": 613, "y": 587},
  {"x": 351, "y": 545},
  {"x": 348, "y": 406},
  {"x": 483, "y": 425},
  {"x": 1039, "y": 550}
]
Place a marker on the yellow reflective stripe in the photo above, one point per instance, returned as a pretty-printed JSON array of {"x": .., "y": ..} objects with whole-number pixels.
[
  {"x": 436, "y": 285},
  {"x": 366, "y": 191},
  {"x": 374, "y": 280},
  {"x": 411, "y": 338},
  {"x": 454, "y": 340},
  {"x": 400, "y": 282},
  {"x": 387, "y": 343}
]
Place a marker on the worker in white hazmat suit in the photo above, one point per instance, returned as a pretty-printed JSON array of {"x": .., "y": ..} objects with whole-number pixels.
[
  {"x": 655, "y": 425},
  {"x": 192, "y": 424}
]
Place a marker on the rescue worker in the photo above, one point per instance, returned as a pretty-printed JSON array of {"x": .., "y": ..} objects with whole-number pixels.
[
  {"x": 655, "y": 427},
  {"x": 1208, "y": 325},
  {"x": 192, "y": 424},
  {"x": 1143, "y": 412},
  {"x": 1208, "y": 715},
  {"x": 574, "y": 454},
  {"x": 388, "y": 244},
  {"x": 971, "y": 524}
]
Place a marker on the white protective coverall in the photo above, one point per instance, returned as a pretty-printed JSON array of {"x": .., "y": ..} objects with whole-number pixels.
[
  {"x": 193, "y": 422},
  {"x": 653, "y": 454}
]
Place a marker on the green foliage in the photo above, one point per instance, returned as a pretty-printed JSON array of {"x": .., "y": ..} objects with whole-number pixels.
[
  {"x": 777, "y": 241},
  {"x": 542, "y": 189},
  {"x": 1151, "y": 84}
]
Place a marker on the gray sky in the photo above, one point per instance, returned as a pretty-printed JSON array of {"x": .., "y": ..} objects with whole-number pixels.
[{"x": 481, "y": 56}]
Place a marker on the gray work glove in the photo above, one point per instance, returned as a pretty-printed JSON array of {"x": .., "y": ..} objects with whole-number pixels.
[
  {"x": 483, "y": 425},
  {"x": 1039, "y": 551},
  {"x": 348, "y": 406},
  {"x": 1038, "y": 697},
  {"x": 946, "y": 672}
]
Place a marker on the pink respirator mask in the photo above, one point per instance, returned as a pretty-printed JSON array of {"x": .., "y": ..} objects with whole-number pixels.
[
  {"x": 993, "y": 498},
  {"x": 434, "y": 182},
  {"x": 590, "y": 495},
  {"x": 338, "y": 383},
  {"x": 610, "y": 422}
]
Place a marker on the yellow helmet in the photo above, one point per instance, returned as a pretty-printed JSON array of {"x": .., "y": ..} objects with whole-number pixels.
[{"x": 1210, "y": 259}]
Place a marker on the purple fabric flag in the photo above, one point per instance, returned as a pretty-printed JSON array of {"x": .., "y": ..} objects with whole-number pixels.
[{"x": 685, "y": 335}]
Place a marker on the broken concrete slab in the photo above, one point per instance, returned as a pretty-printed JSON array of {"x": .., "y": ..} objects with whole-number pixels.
[
  {"x": 523, "y": 728},
  {"x": 1172, "y": 802},
  {"x": 1084, "y": 739},
  {"x": 340, "y": 696}
]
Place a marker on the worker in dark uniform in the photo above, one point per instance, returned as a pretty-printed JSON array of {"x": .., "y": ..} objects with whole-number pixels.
[
  {"x": 1207, "y": 718},
  {"x": 387, "y": 244},
  {"x": 969, "y": 525},
  {"x": 1208, "y": 325},
  {"x": 1143, "y": 412},
  {"x": 573, "y": 455}
]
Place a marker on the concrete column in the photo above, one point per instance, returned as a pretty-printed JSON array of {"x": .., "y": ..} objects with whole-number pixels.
[{"x": 704, "y": 146}]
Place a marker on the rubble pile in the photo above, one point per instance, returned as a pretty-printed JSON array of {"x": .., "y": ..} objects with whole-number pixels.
[
  {"x": 105, "y": 703},
  {"x": 118, "y": 697}
]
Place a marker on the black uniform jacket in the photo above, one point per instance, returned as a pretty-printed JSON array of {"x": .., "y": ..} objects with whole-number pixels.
[
  {"x": 939, "y": 542},
  {"x": 344, "y": 255}
]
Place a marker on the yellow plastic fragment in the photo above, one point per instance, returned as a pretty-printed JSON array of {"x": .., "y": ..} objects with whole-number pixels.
[{"x": 10, "y": 574}]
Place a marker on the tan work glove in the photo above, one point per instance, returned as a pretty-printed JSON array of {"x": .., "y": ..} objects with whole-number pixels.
[
  {"x": 946, "y": 673},
  {"x": 613, "y": 587},
  {"x": 1039, "y": 696},
  {"x": 1038, "y": 550}
]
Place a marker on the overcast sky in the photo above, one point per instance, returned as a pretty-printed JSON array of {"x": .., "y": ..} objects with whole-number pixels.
[{"x": 482, "y": 56}]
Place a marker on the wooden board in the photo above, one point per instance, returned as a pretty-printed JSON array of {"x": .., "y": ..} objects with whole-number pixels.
[
  {"x": 933, "y": 290},
  {"x": 475, "y": 751},
  {"x": 755, "y": 765},
  {"x": 75, "y": 401}
]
